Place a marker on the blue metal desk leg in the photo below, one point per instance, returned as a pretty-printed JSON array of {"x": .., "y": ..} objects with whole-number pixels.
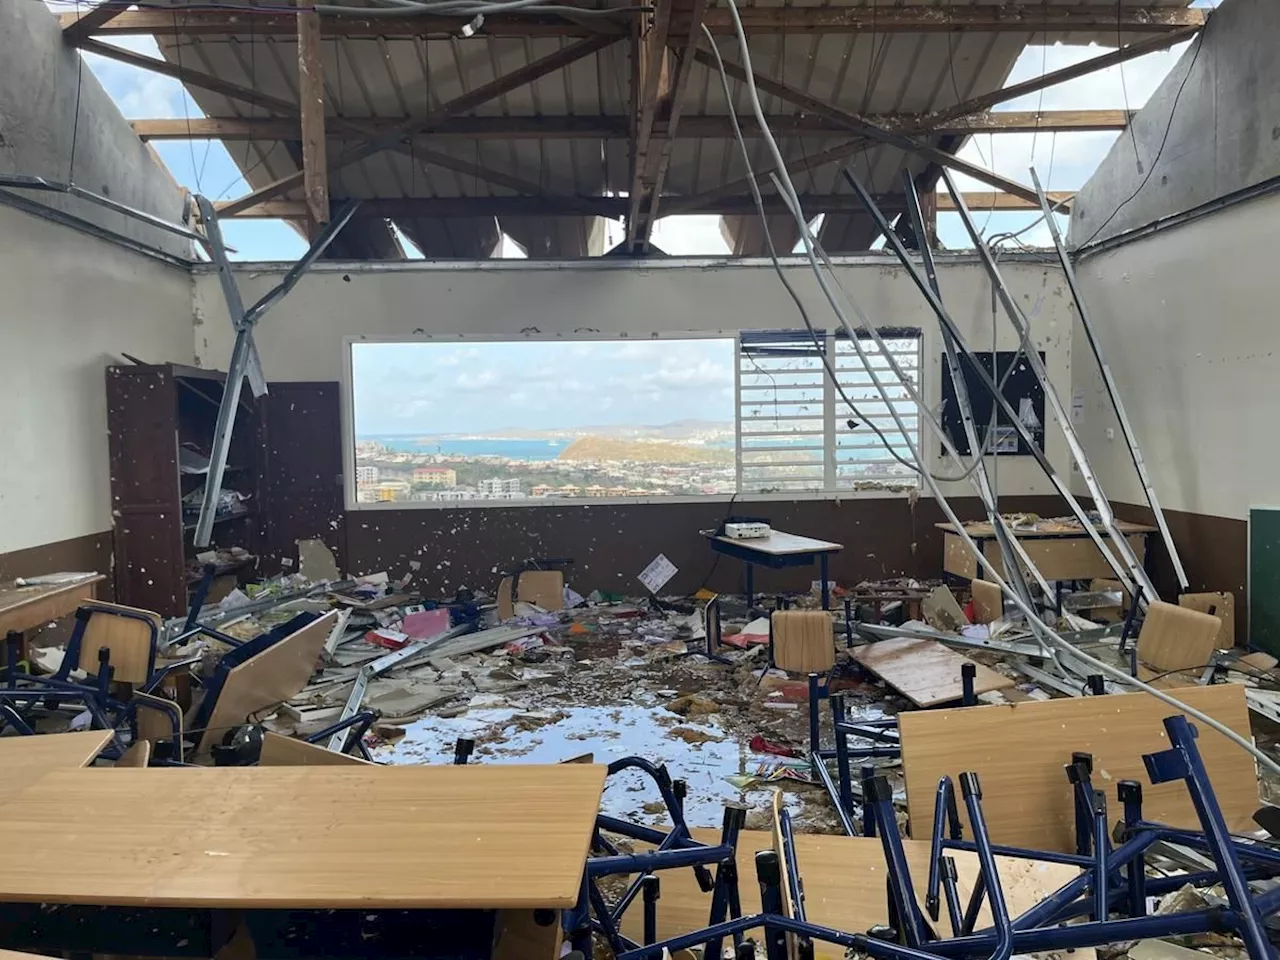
[
  {"x": 1182, "y": 762},
  {"x": 1130, "y": 794},
  {"x": 769, "y": 873},
  {"x": 878, "y": 795},
  {"x": 826, "y": 590},
  {"x": 751, "y": 584}
]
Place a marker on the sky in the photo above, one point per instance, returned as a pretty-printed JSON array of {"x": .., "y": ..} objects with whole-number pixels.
[
  {"x": 472, "y": 387},
  {"x": 1063, "y": 160}
]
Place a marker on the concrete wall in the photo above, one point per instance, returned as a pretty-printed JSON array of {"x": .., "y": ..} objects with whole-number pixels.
[
  {"x": 302, "y": 338},
  {"x": 72, "y": 304},
  {"x": 1188, "y": 324},
  {"x": 45, "y": 85},
  {"x": 1224, "y": 134}
]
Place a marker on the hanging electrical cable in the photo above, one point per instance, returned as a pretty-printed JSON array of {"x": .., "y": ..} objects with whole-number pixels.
[
  {"x": 914, "y": 467},
  {"x": 1054, "y": 642}
]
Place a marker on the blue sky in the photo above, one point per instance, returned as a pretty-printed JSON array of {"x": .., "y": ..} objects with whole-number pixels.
[
  {"x": 1064, "y": 160},
  {"x": 470, "y": 387}
]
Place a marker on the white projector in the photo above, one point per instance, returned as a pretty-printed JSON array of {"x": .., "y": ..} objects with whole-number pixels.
[{"x": 746, "y": 531}]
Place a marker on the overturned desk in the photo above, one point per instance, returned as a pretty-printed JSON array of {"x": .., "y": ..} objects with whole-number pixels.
[
  {"x": 776, "y": 551},
  {"x": 458, "y": 853},
  {"x": 1061, "y": 550},
  {"x": 26, "y": 607}
]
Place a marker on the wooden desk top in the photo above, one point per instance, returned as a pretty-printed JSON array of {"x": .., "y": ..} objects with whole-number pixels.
[
  {"x": 439, "y": 837},
  {"x": 1046, "y": 529},
  {"x": 779, "y": 544},
  {"x": 14, "y": 597},
  {"x": 24, "y": 760}
]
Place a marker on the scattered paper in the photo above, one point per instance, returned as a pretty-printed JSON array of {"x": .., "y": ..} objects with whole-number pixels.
[{"x": 656, "y": 574}]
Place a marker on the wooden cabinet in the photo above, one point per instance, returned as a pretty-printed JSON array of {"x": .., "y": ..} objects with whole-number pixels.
[
  {"x": 286, "y": 459},
  {"x": 161, "y": 419}
]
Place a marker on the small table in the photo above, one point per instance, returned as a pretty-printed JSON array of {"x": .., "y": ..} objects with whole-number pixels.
[
  {"x": 776, "y": 551},
  {"x": 24, "y": 608}
]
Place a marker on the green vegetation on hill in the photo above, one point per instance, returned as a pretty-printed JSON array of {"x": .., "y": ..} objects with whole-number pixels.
[{"x": 607, "y": 448}]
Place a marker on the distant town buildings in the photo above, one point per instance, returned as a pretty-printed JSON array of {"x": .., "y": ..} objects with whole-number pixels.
[
  {"x": 388, "y": 490},
  {"x": 366, "y": 476},
  {"x": 436, "y": 476}
]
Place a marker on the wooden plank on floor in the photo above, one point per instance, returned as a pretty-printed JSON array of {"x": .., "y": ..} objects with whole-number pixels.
[
  {"x": 1019, "y": 751},
  {"x": 926, "y": 672}
]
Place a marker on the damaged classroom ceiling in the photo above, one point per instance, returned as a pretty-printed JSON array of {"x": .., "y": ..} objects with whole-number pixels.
[{"x": 538, "y": 125}]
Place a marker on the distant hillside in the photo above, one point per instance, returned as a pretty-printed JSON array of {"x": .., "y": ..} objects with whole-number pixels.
[{"x": 607, "y": 448}]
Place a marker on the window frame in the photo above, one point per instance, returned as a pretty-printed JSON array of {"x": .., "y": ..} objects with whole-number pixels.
[{"x": 347, "y": 402}]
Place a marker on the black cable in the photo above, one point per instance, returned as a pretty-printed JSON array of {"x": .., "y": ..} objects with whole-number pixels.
[
  {"x": 1155, "y": 162},
  {"x": 795, "y": 297},
  {"x": 177, "y": 56},
  {"x": 75, "y": 122}
]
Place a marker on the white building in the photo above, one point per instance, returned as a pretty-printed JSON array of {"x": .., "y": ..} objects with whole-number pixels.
[
  {"x": 366, "y": 476},
  {"x": 499, "y": 488}
]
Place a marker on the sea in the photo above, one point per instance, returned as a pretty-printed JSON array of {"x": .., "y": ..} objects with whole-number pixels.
[{"x": 476, "y": 447}]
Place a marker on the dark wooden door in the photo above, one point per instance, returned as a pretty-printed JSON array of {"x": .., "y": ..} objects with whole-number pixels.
[
  {"x": 301, "y": 471},
  {"x": 146, "y": 516}
]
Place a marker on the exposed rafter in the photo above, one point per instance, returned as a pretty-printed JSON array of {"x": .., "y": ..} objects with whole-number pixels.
[
  {"x": 868, "y": 130},
  {"x": 460, "y": 104},
  {"x": 651, "y": 83},
  {"x": 315, "y": 164},
  {"x": 670, "y": 117},
  {"x": 1056, "y": 20},
  {"x": 471, "y": 128},
  {"x": 615, "y": 127},
  {"x": 549, "y": 205},
  {"x": 90, "y": 22},
  {"x": 1083, "y": 68}
]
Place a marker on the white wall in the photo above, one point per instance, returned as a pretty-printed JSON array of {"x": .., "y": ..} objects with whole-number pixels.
[
  {"x": 71, "y": 305},
  {"x": 1190, "y": 326},
  {"x": 302, "y": 337}
]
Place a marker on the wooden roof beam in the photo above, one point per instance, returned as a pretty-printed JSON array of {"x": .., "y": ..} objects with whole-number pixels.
[
  {"x": 652, "y": 81},
  {"x": 1056, "y": 20},
  {"x": 866, "y": 129},
  {"x": 550, "y": 205},
  {"x": 615, "y": 127},
  {"x": 90, "y": 21},
  {"x": 315, "y": 163},
  {"x": 658, "y": 157},
  {"x": 464, "y": 103}
]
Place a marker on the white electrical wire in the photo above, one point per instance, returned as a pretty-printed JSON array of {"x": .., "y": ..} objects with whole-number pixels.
[{"x": 791, "y": 199}]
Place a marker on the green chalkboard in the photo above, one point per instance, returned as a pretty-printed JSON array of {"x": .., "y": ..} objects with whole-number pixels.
[{"x": 1264, "y": 578}]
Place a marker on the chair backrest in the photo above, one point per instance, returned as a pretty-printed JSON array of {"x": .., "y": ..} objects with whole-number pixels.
[
  {"x": 138, "y": 755},
  {"x": 803, "y": 641},
  {"x": 128, "y": 633},
  {"x": 158, "y": 719},
  {"x": 1175, "y": 638}
]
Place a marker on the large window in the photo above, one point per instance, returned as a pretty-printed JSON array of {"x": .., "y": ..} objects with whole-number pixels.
[
  {"x": 543, "y": 420},
  {"x": 469, "y": 423}
]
